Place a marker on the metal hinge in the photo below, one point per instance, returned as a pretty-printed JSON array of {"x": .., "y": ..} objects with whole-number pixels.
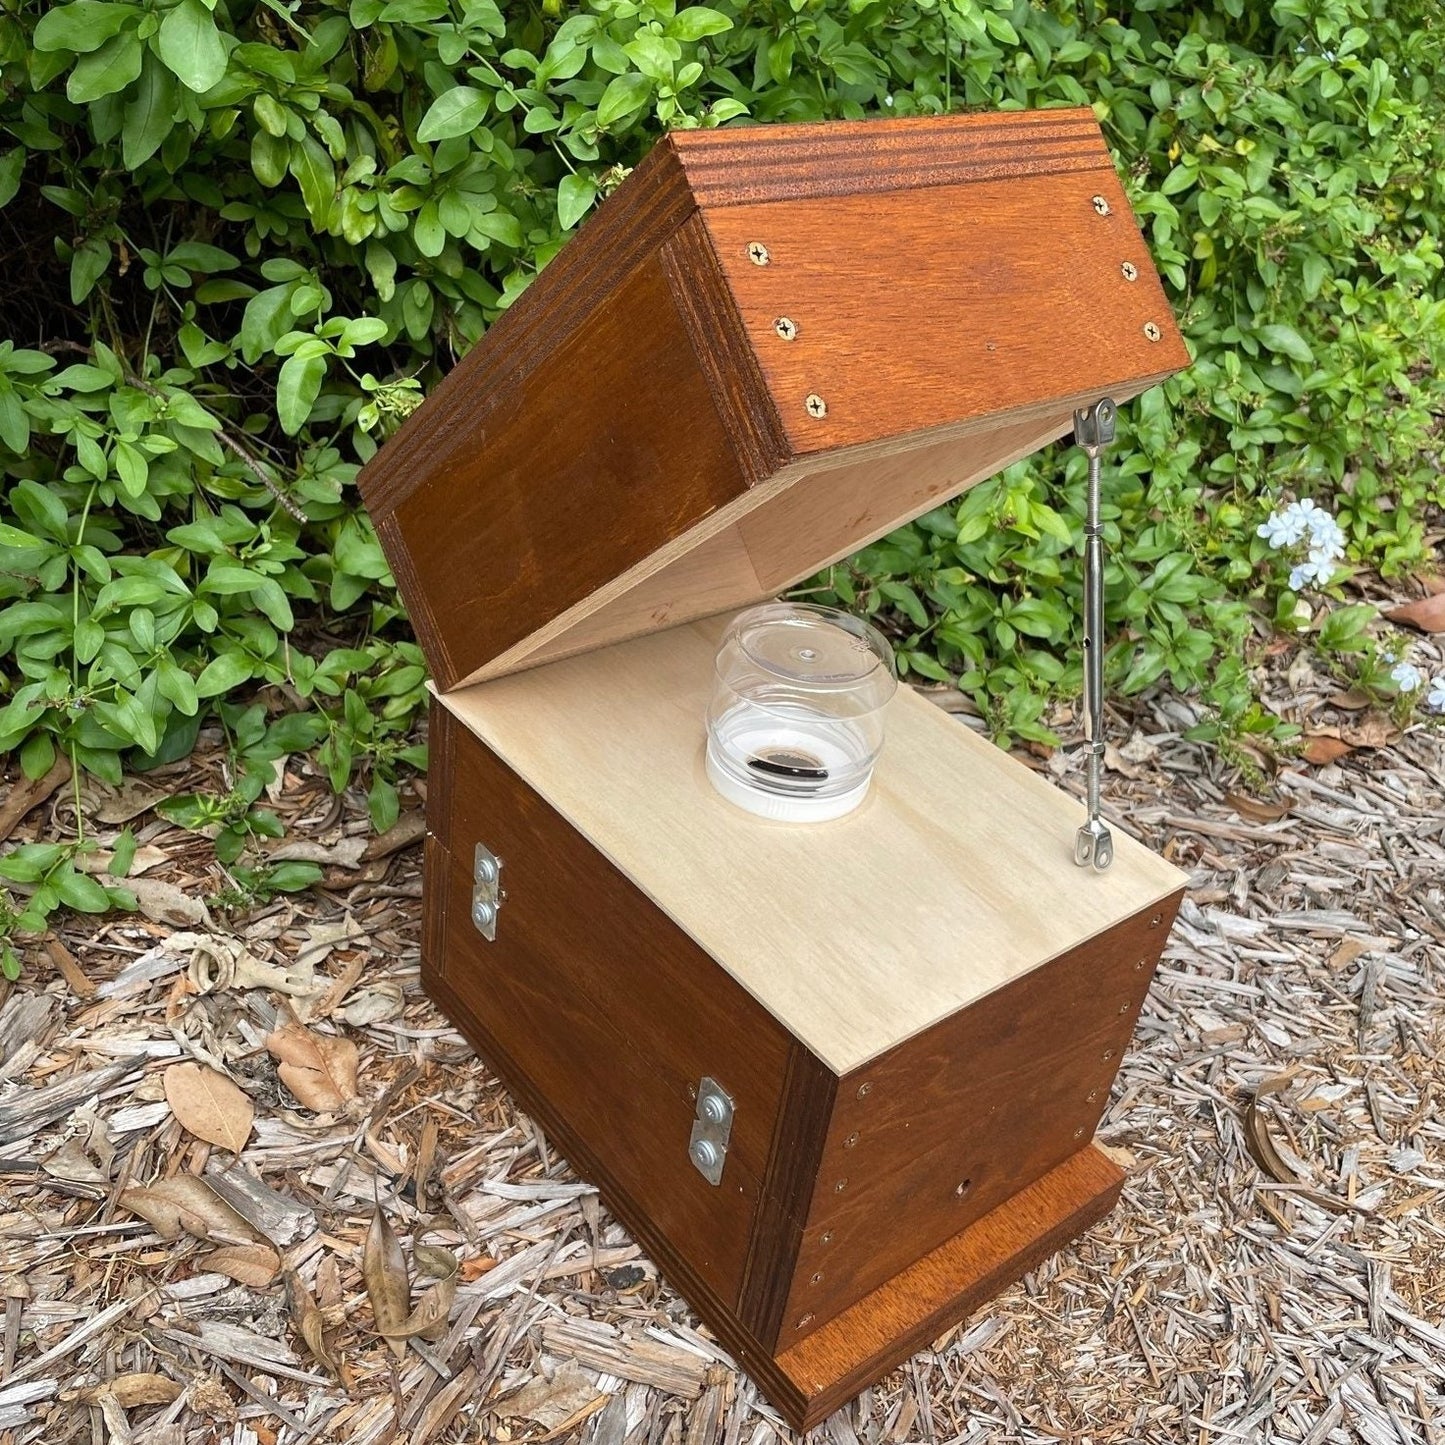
[
  {"x": 487, "y": 894},
  {"x": 711, "y": 1128}
]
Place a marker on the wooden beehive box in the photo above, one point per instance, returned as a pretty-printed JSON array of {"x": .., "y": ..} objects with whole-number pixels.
[{"x": 769, "y": 347}]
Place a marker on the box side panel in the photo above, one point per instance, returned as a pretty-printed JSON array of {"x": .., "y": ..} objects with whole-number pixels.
[
  {"x": 943, "y": 1128},
  {"x": 599, "y": 453},
  {"x": 591, "y": 1001},
  {"x": 910, "y": 311}
]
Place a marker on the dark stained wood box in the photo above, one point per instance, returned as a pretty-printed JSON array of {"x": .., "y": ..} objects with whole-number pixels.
[{"x": 769, "y": 347}]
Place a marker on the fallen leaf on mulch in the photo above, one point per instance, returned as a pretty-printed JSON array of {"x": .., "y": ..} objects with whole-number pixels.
[
  {"x": 119, "y": 805},
  {"x": 1257, "y": 810},
  {"x": 1263, "y": 1150},
  {"x": 345, "y": 854},
  {"x": 254, "y": 1265},
  {"x": 319, "y": 1069},
  {"x": 1426, "y": 613},
  {"x": 408, "y": 829},
  {"x": 383, "y": 1268},
  {"x": 1325, "y": 747},
  {"x": 131, "y": 1392},
  {"x": 209, "y": 1105},
  {"x": 30, "y": 793},
  {"x": 551, "y": 1402},
  {"x": 308, "y": 1318},
  {"x": 185, "y": 1204},
  {"x": 1352, "y": 701},
  {"x": 1373, "y": 731},
  {"x": 163, "y": 902}
]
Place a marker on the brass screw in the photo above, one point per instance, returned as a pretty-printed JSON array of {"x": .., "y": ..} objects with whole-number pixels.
[
  {"x": 1152, "y": 331},
  {"x": 963, "y": 1188},
  {"x": 1130, "y": 270},
  {"x": 758, "y": 254},
  {"x": 1108, "y": 1054},
  {"x": 817, "y": 1278},
  {"x": 817, "y": 407},
  {"x": 1141, "y": 965},
  {"x": 826, "y": 1237},
  {"x": 1123, "y": 1008},
  {"x": 1157, "y": 919},
  {"x": 850, "y": 1141},
  {"x": 864, "y": 1090},
  {"x": 786, "y": 327},
  {"x": 1101, "y": 205},
  {"x": 1091, "y": 1096},
  {"x": 804, "y": 1322},
  {"x": 1078, "y": 1133},
  {"x": 840, "y": 1186}
]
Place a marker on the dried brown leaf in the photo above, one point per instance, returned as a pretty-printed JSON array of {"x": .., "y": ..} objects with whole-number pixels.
[
  {"x": 308, "y": 1319},
  {"x": 1325, "y": 746},
  {"x": 1374, "y": 730},
  {"x": 186, "y": 1204},
  {"x": 1352, "y": 701},
  {"x": 254, "y": 1265},
  {"x": 383, "y": 1269},
  {"x": 1257, "y": 810},
  {"x": 1426, "y": 613},
  {"x": 319, "y": 1069},
  {"x": 131, "y": 1392},
  {"x": 209, "y": 1105}
]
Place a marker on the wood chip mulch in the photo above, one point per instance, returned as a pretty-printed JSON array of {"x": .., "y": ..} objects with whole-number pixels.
[{"x": 1275, "y": 1271}]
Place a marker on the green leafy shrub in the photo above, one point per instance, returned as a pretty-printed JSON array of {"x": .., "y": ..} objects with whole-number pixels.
[{"x": 246, "y": 237}]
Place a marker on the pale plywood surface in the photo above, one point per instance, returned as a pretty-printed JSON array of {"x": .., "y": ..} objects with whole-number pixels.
[{"x": 955, "y": 877}]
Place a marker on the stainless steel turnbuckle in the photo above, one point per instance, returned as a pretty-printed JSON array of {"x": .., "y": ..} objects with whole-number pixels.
[{"x": 1094, "y": 431}]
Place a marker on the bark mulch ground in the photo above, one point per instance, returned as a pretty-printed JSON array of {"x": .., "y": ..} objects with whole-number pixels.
[{"x": 217, "y": 1128}]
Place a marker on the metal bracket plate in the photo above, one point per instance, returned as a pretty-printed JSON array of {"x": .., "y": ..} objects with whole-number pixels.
[
  {"x": 487, "y": 895},
  {"x": 711, "y": 1128}
]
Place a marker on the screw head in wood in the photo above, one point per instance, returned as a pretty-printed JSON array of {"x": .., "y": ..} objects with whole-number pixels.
[
  {"x": 804, "y": 1322},
  {"x": 1130, "y": 271},
  {"x": 758, "y": 253},
  {"x": 1123, "y": 1008},
  {"x": 840, "y": 1186},
  {"x": 816, "y": 407},
  {"x": 851, "y": 1141},
  {"x": 817, "y": 1278},
  {"x": 1157, "y": 919},
  {"x": 1101, "y": 205},
  {"x": 963, "y": 1188},
  {"x": 1079, "y": 1133},
  {"x": 1152, "y": 331},
  {"x": 826, "y": 1237},
  {"x": 786, "y": 327},
  {"x": 1091, "y": 1096},
  {"x": 1108, "y": 1054},
  {"x": 864, "y": 1090}
]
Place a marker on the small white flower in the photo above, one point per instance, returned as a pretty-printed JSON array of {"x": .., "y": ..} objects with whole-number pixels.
[
  {"x": 1436, "y": 698},
  {"x": 1284, "y": 528},
  {"x": 1315, "y": 569},
  {"x": 1407, "y": 677},
  {"x": 1326, "y": 535}
]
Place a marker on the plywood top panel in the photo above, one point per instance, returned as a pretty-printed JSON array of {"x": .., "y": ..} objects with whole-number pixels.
[{"x": 954, "y": 877}]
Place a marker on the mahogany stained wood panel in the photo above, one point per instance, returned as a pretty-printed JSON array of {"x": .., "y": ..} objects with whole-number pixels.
[
  {"x": 983, "y": 1103},
  {"x": 575, "y": 466},
  {"x": 943, "y": 277},
  {"x": 830, "y": 1366},
  {"x": 614, "y": 1013},
  {"x": 972, "y": 300}
]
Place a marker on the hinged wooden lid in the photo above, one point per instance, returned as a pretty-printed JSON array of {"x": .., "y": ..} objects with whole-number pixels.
[{"x": 770, "y": 346}]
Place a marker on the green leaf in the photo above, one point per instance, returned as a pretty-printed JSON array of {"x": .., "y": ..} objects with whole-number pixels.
[
  {"x": 87, "y": 266},
  {"x": 148, "y": 115},
  {"x": 311, "y": 165},
  {"x": 455, "y": 112},
  {"x": 81, "y": 891},
  {"x": 1286, "y": 341},
  {"x": 107, "y": 70},
  {"x": 80, "y": 27},
  {"x": 574, "y": 198},
  {"x": 122, "y": 855},
  {"x": 297, "y": 388},
  {"x": 191, "y": 46},
  {"x": 624, "y": 94},
  {"x": 225, "y": 671},
  {"x": 12, "y": 169},
  {"x": 695, "y": 21},
  {"x": 14, "y": 537}
]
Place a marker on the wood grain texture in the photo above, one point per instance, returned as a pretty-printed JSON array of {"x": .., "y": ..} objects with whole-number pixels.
[
  {"x": 985, "y": 1101},
  {"x": 959, "y": 301},
  {"x": 828, "y": 1368},
  {"x": 793, "y": 1164},
  {"x": 614, "y": 1014},
  {"x": 557, "y": 307},
  {"x": 954, "y": 877},
  {"x": 569, "y": 488},
  {"x": 750, "y": 164},
  {"x": 951, "y": 284}
]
